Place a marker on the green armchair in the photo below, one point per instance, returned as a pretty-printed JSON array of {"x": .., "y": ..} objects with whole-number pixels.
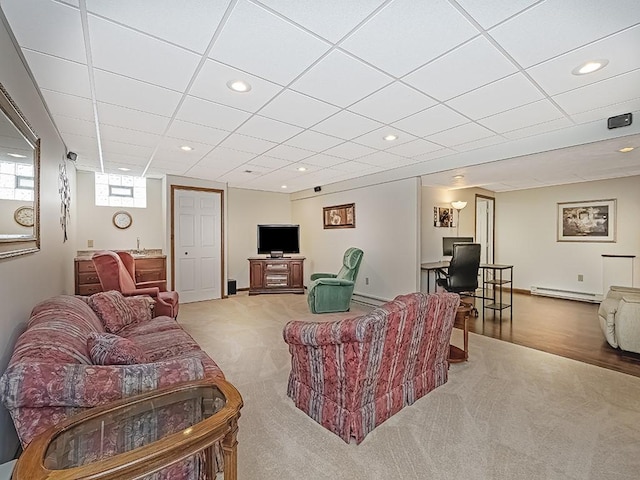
[{"x": 329, "y": 292}]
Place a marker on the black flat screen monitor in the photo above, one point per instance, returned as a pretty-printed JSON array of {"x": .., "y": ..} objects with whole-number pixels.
[
  {"x": 447, "y": 244},
  {"x": 278, "y": 238}
]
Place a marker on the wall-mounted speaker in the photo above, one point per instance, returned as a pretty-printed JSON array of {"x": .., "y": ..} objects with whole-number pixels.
[
  {"x": 72, "y": 156},
  {"x": 623, "y": 120},
  {"x": 317, "y": 189}
]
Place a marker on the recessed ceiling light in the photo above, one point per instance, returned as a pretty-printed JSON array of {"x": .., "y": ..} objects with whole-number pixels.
[
  {"x": 302, "y": 169},
  {"x": 283, "y": 186},
  {"x": 626, "y": 149},
  {"x": 391, "y": 137},
  {"x": 124, "y": 169},
  {"x": 458, "y": 177},
  {"x": 186, "y": 148},
  {"x": 238, "y": 86},
  {"x": 590, "y": 67},
  {"x": 16, "y": 155}
]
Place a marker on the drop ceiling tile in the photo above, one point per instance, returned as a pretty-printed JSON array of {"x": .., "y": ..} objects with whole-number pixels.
[
  {"x": 226, "y": 157},
  {"x": 480, "y": 143},
  {"x": 245, "y": 143},
  {"x": 469, "y": 66},
  {"x": 375, "y": 139},
  {"x": 539, "y": 129},
  {"x": 384, "y": 159},
  {"x": 126, "y": 135},
  {"x": 132, "y": 54},
  {"x": 613, "y": 90},
  {"x": 532, "y": 114},
  {"x": 192, "y": 132},
  {"x": 267, "y": 129},
  {"x": 68, "y": 105},
  {"x": 432, "y": 120},
  {"x": 259, "y": 42},
  {"x": 331, "y": 19},
  {"x": 414, "y": 148},
  {"x": 461, "y": 134},
  {"x": 123, "y": 158},
  {"x": 568, "y": 24},
  {"x": 292, "y": 154},
  {"x": 406, "y": 34},
  {"x": 496, "y": 97},
  {"x": 427, "y": 157},
  {"x": 47, "y": 27},
  {"x": 211, "y": 84},
  {"x": 326, "y": 80},
  {"x": 128, "y": 118},
  {"x": 392, "y": 103},
  {"x": 347, "y": 125},
  {"x": 323, "y": 160},
  {"x": 189, "y": 26},
  {"x": 83, "y": 146},
  {"x": 126, "y": 149},
  {"x": 491, "y": 13},
  {"x": 621, "y": 50},
  {"x": 298, "y": 109},
  {"x": 75, "y": 3},
  {"x": 601, "y": 114},
  {"x": 268, "y": 162},
  {"x": 75, "y": 126},
  {"x": 131, "y": 93},
  {"x": 209, "y": 114},
  {"x": 315, "y": 141},
  {"x": 59, "y": 75},
  {"x": 349, "y": 151},
  {"x": 358, "y": 168}
]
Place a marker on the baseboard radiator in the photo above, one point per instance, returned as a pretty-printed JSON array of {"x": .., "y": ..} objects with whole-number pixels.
[{"x": 566, "y": 294}]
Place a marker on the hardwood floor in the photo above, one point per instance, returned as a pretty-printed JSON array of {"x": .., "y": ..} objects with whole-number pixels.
[{"x": 563, "y": 327}]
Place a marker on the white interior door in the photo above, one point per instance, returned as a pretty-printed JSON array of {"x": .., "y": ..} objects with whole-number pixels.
[
  {"x": 198, "y": 244},
  {"x": 484, "y": 227}
]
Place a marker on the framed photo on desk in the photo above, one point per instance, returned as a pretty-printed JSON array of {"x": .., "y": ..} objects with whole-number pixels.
[{"x": 590, "y": 221}]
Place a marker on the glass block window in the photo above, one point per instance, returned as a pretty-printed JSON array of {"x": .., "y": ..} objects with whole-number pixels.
[
  {"x": 16, "y": 181},
  {"x": 120, "y": 190}
]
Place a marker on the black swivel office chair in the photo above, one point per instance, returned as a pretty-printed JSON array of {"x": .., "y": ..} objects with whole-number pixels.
[{"x": 462, "y": 275}]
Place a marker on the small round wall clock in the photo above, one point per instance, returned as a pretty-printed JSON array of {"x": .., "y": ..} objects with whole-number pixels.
[
  {"x": 122, "y": 219},
  {"x": 24, "y": 216}
]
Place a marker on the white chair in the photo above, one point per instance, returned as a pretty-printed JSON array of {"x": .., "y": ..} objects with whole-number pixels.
[{"x": 619, "y": 315}]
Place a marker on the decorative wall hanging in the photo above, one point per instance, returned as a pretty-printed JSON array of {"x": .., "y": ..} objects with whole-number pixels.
[
  {"x": 443, "y": 217},
  {"x": 65, "y": 199},
  {"x": 590, "y": 221},
  {"x": 340, "y": 216}
]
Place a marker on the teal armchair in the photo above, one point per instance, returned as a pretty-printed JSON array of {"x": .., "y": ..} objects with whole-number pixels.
[{"x": 329, "y": 292}]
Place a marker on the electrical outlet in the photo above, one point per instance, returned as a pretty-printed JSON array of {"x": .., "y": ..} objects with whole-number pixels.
[
  {"x": 581, "y": 278},
  {"x": 366, "y": 281},
  {"x": 89, "y": 243}
]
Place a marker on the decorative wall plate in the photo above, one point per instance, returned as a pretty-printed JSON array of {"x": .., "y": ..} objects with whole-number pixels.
[
  {"x": 24, "y": 216},
  {"x": 122, "y": 219}
]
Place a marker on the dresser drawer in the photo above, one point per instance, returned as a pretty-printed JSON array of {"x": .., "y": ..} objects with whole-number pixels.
[
  {"x": 89, "y": 289},
  {"x": 88, "y": 278},
  {"x": 85, "y": 266}
]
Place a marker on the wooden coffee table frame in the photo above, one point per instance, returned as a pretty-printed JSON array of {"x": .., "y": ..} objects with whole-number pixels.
[
  {"x": 457, "y": 354},
  {"x": 221, "y": 426}
]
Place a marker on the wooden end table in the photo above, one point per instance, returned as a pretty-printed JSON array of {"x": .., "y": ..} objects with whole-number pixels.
[
  {"x": 139, "y": 435},
  {"x": 457, "y": 354}
]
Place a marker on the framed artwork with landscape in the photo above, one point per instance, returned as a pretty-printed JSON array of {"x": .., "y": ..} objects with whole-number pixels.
[
  {"x": 588, "y": 221},
  {"x": 339, "y": 216}
]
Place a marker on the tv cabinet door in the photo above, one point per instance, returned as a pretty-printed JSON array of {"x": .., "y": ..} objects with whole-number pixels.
[
  {"x": 296, "y": 273},
  {"x": 256, "y": 275}
]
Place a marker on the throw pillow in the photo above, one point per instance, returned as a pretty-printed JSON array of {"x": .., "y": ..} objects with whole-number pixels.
[
  {"x": 110, "y": 349},
  {"x": 117, "y": 311}
]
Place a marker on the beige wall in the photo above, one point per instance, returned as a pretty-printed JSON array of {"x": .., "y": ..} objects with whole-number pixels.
[
  {"x": 96, "y": 223},
  {"x": 387, "y": 230},
  {"x": 526, "y": 235},
  {"x": 247, "y": 209},
  {"x": 27, "y": 279}
]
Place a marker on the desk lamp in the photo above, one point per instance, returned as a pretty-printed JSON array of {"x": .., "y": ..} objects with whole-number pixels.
[{"x": 458, "y": 205}]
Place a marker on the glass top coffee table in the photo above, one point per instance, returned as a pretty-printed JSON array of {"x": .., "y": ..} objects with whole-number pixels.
[{"x": 140, "y": 435}]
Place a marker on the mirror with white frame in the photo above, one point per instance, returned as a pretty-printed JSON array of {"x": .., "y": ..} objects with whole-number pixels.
[{"x": 19, "y": 181}]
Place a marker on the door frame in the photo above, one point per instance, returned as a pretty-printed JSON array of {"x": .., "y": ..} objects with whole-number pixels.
[
  {"x": 223, "y": 287},
  {"x": 493, "y": 222}
]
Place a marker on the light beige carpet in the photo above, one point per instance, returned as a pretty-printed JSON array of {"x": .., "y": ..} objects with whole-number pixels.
[{"x": 509, "y": 413}]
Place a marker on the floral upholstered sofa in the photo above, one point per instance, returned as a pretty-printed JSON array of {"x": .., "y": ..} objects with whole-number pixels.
[
  {"x": 351, "y": 375},
  {"x": 81, "y": 352}
]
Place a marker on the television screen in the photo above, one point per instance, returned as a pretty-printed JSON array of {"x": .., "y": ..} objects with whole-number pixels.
[
  {"x": 447, "y": 244},
  {"x": 278, "y": 238}
]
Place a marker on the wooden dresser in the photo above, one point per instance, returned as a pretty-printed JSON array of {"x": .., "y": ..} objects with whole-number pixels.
[
  {"x": 152, "y": 267},
  {"x": 276, "y": 275}
]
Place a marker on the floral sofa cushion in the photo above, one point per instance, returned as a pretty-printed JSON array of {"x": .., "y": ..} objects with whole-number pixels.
[
  {"x": 110, "y": 349},
  {"x": 117, "y": 311}
]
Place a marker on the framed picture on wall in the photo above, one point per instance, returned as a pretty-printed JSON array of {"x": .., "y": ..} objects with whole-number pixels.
[
  {"x": 443, "y": 217},
  {"x": 589, "y": 221},
  {"x": 339, "y": 216}
]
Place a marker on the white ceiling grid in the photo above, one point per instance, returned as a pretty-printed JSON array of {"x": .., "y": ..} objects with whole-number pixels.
[{"x": 450, "y": 78}]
